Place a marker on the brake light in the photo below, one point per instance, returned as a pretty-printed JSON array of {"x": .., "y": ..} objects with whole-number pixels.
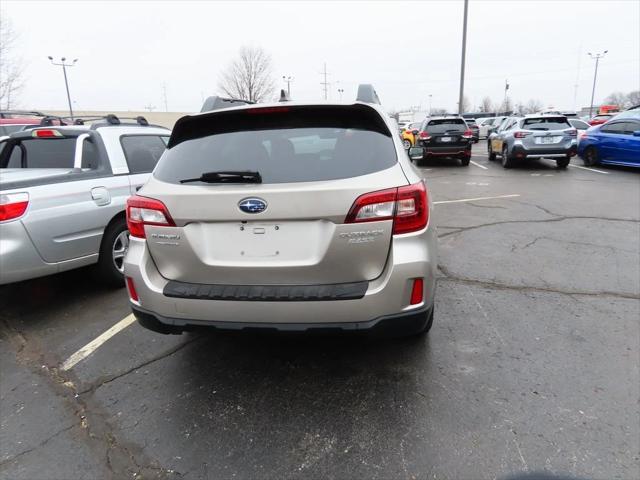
[
  {"x": 424, "y": 135},
  {"x": 467, "y": 134},
  {"x": 13, "y": 205},
  {"x": 417, "y": 291},
  {"x": 46, "y": 133},
  {"x": 521, "y": 134},
  {"x": 267, "y": 110},
  {"x": 407, "y": 206},
  {"x": 572, "y": 132},
  {"x": 143, "y": 211}
]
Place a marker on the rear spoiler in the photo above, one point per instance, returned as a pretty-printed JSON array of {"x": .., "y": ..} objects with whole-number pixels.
[{"x": 217, "y": 103}]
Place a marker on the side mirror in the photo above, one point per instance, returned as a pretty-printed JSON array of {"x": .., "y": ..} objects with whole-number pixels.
[
  {"x": 416, "y": 153},
  {"x": 636, "y": 133},
  {"x": 415, "y": 132}
]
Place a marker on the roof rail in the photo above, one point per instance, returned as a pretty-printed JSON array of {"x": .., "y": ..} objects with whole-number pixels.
[
  {"x": 216, "y": 103},
  {"x": 367, "y": 94},
  {"x": 11, "y": 113}
]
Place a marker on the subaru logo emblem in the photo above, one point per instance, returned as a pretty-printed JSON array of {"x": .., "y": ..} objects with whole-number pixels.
[{"x": 252, "y": 205}]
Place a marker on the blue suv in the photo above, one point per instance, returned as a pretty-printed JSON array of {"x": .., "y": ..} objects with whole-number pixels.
[{"x": 616, "y": 142}]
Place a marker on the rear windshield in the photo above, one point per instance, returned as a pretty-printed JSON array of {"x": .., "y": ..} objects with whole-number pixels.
[
  {"x": 579, "y": 124},
  {"x": 552, "y": 123},
  {"x": 446, "y": 125},
  {"x": 48, "y": 153},
  {"x": 312, "y": 150}
]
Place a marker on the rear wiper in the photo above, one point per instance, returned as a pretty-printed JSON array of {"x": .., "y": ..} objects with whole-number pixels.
[{"x": 226, "y": 177}]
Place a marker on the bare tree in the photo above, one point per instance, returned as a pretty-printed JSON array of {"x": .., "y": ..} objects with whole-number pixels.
[
  {"x": 11, "y": 71},
  {"x": 438, "y": 111},
  {"x": 533, "y": 106},
  {"x": 633, "y": 98},
  {"x": 486, "y": 105},
  {"x": 250, "y": 76},
  {"x": 617, "y": 98}
]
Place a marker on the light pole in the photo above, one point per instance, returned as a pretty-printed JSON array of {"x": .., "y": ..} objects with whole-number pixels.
[
  {"x": 66, "y": 82},
  {"x": 506, "y": 87},
  {"x": 464, "y": 52},
  {"x": 597, "y": 57},
  {"x": 288, "y": 80},
  {"x": 340, "y": 92},
  {"x": 430, "y": 95}
]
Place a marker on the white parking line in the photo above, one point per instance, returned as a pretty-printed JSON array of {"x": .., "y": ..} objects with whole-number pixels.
[
  {"x": 475, "y": 199},
  {"x": 92, "y": 346},
  {"x": 478, "y": 165},
  {"x": 590, "y": 169}
]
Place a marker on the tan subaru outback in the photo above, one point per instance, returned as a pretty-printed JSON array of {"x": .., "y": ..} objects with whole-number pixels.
[{"x": 284, "y": 216}]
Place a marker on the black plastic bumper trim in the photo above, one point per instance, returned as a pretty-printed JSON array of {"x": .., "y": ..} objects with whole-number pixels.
[
  {"x": 387, "y": 325},
  {"x": 266, "y": 293}
]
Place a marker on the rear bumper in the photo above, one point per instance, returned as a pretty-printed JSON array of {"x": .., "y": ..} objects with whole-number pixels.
[
  {"x": 19, "y": 259},
  {"x": 521, "y": 151},
  {"x": 447, "y": 150},
  {"x": 411, "y": 256},
  {"x": 401, "y": 323}
]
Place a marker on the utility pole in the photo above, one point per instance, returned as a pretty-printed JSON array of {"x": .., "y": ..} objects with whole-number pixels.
[
  {"x": 325, "y": 84},
  {"x": 288, "y": 80},
  {"x": 430, "y": 95},
  {"x": 597, "y": 57},
  {"x": 164, "y": 97},
  {"x": 66, "y": 82},
  {"x": 464, "y": 52},
  {"x": 506, "y": 87}
]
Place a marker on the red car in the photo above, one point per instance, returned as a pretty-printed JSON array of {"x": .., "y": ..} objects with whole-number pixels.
[
  {"x": 10, "y": 125},
  {"x": 601, "y": 118}
]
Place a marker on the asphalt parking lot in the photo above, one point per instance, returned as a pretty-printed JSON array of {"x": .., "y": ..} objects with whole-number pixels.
[{"x": 532, "y": 363}]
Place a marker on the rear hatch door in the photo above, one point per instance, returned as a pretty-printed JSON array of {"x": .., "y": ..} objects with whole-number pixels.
[
  {"x": 314, "y": 162},
  {"x": 447, "y": 132}
]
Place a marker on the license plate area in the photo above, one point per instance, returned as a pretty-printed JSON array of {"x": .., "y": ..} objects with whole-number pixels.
[
  {"x": 547, "y": 140},
  {"x": 256, "y": 240},
  {"x": 445, "y": 139}
]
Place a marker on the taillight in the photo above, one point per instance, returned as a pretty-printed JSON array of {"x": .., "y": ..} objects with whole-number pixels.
[
  {"x": 424, "y": 135},
  {"x": 13, "y": 205},
  {"x": 583, "y": 135},
  {"x": 521, "y": 134},
  {"x": 143, "y": 211},
  {"x": 407, "y": 206},
  {"x": 467, "y": 134},
  {"x": 572, "y": 132}
]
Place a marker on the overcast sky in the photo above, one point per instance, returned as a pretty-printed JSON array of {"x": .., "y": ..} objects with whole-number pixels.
[{"x": 408, "y": 50}]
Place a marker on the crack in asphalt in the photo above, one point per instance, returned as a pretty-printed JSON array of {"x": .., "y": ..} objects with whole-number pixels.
[
  {"x": 120, "y": 459},
  {"x": 448, "y": 276},
  {"x": 458, "y": 230},
  {"x": 108, "y": 379},
  {"x": 41, "y": 444}
]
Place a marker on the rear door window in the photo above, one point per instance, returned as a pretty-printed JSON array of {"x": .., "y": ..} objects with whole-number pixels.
[
  {"x": 579, "y": 124},
  {"x": 300, "y": 145},
  {"x": 142, "y": 151},
  {"x": 446, "y": 125},
  {"x": 618, "y": 128},
  {"x": 544, "y": 124}
]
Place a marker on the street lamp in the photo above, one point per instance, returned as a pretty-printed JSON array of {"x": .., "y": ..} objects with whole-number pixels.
[
  {"x": 462, "y": 60},
  {"x": 66, "y": 82},
  {"x": 288, "y": 80},
  {"x": 341, "y": 91},
  {"x": 597, "y": 57},
  {"x": 430, "y": 95}
]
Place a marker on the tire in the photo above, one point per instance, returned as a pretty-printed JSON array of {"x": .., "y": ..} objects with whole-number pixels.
[
  {"x": 464, "y": 161},
  {"x": 492, "y": 155},
  {"x": 507, "y": 161},
  {"x": 590, "y": 156},
  {"x": 115, "y": 242},
  {"x": 406, "y": 143},
  {"x": 563, "y": 163}
]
